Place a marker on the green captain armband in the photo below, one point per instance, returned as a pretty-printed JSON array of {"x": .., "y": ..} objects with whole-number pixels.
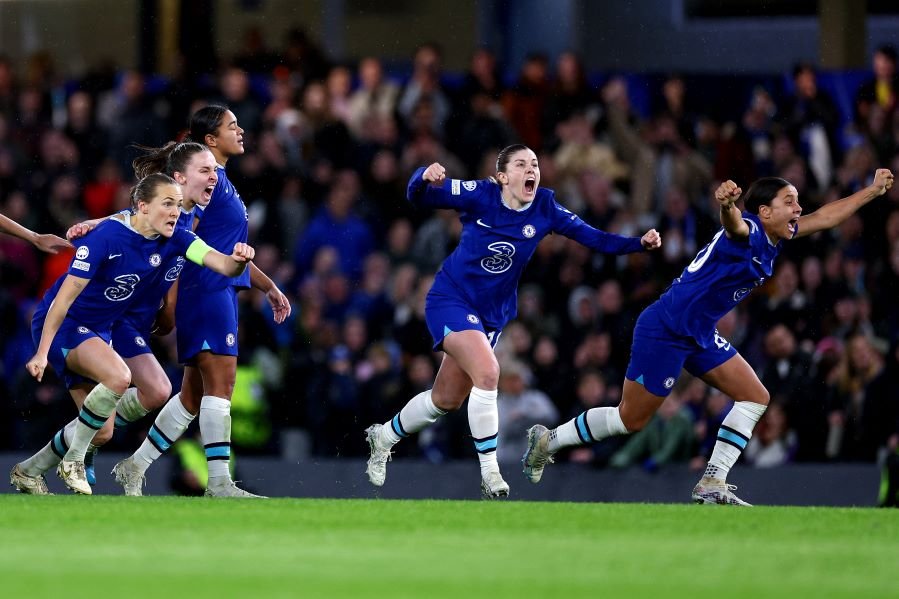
[{"x": 197, "y": 251}]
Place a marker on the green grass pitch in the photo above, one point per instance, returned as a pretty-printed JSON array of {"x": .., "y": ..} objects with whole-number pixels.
[{"x": 68, "y": 546}]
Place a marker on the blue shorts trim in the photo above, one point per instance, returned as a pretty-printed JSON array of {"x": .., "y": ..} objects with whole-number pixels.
[
  {"x": 206, "y": 321},
  {"x": 445, "y": 315},
  {"x": 658, "y": 354}
]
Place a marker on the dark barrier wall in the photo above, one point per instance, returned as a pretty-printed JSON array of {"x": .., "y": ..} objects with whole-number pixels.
[{"x": 808, "y": 484}]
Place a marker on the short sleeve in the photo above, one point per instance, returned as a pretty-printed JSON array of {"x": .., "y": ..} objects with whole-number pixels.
[{"x": 92, "y": 252}]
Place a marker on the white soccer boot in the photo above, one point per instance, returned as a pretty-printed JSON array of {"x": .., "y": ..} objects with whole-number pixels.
[
  {"x": 715, "y": 490},
  {"x": 72, "y": 474},
  {"x": 231, "y": 490},
  {"x": 537, "y": 455},
  {"x": 30, "y": 485},
  {"x": 130, "y": 477},
  {"x": 493, "y": 486},
  {"x": 380, "y": 455}
]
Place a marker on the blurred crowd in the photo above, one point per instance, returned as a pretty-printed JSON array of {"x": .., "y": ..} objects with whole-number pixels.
[{"x": 329, "y": 149}]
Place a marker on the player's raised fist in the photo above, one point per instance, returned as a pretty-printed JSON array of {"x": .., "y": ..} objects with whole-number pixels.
[
  {"x": 434, "y": 174},
  {"x": 243, "y": 252},
  {"x": 728, "y": 193},
  {"x": 883, "y": 180},
  {"x": 652, "y": 240}
]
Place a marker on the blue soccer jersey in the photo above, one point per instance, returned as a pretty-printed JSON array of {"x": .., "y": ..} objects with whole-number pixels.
[
  {"x": 223, "y": 223},
  {"x": 722, "y": 274},
  {"x": 120, "y": 263},
  {"x": 142, "y": 313},
  {"x": 497, "y": 241}
]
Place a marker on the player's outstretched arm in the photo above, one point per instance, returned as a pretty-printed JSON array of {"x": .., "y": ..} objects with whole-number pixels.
[
  {"x": 230, "y": 266},
  {"x": 831, "y": 215},
  {"x": 42, "y": 241},
  {"x": 727, "y": 195}
]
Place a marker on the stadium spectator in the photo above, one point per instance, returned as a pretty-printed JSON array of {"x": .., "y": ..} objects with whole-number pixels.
[{"x": 520, "y": 407}]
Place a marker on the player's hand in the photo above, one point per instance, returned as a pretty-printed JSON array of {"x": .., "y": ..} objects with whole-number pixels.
[
  {"x": 434, "y": 174},
  {"x": 279, "y": 303},
  {"x": 165, "y": 321},
  {"x": 36, "y": 366},
  {"x": 78, "y": 230},
  {"x": 728, "y": 193},
  {"x": 651, "y": 240},
  {"x": 51, "y": 243},
  {"x": 883, "y": 180},
  {"x": 243, "y": 252}
]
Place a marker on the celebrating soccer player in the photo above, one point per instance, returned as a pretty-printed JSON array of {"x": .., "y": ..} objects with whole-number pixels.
[
  {"x": 678, "y": 330},
  {"x": 474, "y": 295}
]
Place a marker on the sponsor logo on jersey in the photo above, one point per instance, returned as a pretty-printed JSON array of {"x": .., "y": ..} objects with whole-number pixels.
[
  {"x": 155, "y": 260},
  {"x": 501, "y": 260},
  {"x": 721, "y": 342},
  {"x": 741, "y": 293},
  {"x": 79, "y": 265},
  {"x": 113, "y": 256},
  {"x": 174, "y": 271},
  {"x": 229, "y": 339},
  {"x": 472, "y": 319},
  {"x": 669, "y": 382},
  {"x": 469, "y": 185},
  {"x": 83, "y": 330},
  {"x": 82, "y": 252},
  {"x": 139, "y": 341},
  {"x": 483, "y": 224},
  {"x": 454, "y": 187},
  {"x": 529, "y": 231}
]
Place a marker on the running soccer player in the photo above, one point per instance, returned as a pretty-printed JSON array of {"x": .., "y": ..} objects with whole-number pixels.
[
  {"x": 193, "y": 166},
  {"x": 678, "y": 330},
  {"x": 72, "y": 325},
  {"x": 206, "y": 310},
  {"x": 474, "y": 295}
]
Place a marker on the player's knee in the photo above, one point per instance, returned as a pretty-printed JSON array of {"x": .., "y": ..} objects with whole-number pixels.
[
  {"x": 635, "y": 422},
  {"x": 157, "y": 394},
  {"x": 448, "y": 402},
  {"x": 119, "y": 380},
  {"x": 763, "y": 397},
  {"x": 487, "y": 376}
]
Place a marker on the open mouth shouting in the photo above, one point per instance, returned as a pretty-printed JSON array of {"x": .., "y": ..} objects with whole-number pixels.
[
  {"x": 791, "y": 226},
  {"x": 530, "y": 185}
]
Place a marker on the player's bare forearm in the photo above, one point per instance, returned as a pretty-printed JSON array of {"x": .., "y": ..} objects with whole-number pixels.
[
  {"x": 11, "y": 227},
  {"x": 259, "y": 280},
  {"x": 733, "y": 223},
  {"x": 279, "y": 302},
  {"x": 832, "y": 214},
  {"x": 727, "y": 195},
  {"x": 68, "y": 292}
]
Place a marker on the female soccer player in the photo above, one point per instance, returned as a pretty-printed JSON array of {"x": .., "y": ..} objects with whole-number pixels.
[
  {"x": 678, "y": 330},
  {"x": 474, "y": 295},
  {"x": 193, "y": 167},
  {"x": 42, "y": 241},
  {"x": 206, "y": 310},
  {"x": 112, "y": 267}
]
